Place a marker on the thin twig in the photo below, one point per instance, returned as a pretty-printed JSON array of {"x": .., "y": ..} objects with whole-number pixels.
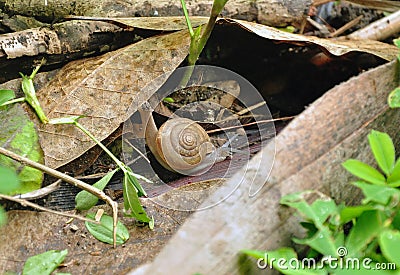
[
  {"x": 87, "y": 187},
  {"x": 40, "y": 193},
  {"x": 92, "y": 176},
  {"x": 137, "y": 150},
  {"x": 38, "y": 207},
  {"x": 380, "y": 29},
  {"x": 346, "y": 26},
  {"x": 249, "y": 124}
]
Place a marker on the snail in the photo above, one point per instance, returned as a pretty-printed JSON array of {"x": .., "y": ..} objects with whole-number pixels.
[{"x": 181, "y": 145}]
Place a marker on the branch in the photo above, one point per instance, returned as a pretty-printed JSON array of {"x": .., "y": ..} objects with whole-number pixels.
[
  {"x": 34, "y": 205},
  {"x": 87, "y": 187}
]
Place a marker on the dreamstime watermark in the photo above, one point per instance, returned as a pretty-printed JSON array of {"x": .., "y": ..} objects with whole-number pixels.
[
  {"x": 330, "y": 262},
  {"x": 206, "y": 99}
]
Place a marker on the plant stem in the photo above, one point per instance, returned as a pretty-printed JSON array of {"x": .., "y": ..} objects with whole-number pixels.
[
  {"x": 30, "y": 93},
  {"x": 188, "y": 23},
  {"x": 199, "y": 38},
  {"x": 24, "y": 202},
  {"x": 114, "y": 158},
  {"x": 120, "y": 164},
  {"x": 15, "y": 100},
  {"x": 87, "y": 187}
]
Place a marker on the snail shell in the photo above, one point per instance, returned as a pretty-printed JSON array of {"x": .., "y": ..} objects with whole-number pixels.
[{"x": 183, "y": 146}]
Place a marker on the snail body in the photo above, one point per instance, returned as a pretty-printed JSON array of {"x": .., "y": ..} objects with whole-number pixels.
[{"x": 182, "y": 145}]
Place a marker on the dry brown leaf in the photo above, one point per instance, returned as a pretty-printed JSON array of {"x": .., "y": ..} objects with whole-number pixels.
[
  {"x": 103, "y": 89},
  {"x": 170, "y": 23},
  {"x": 335, "y": 47}
]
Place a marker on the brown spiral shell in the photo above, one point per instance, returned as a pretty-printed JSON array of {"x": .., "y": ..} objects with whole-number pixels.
[{"x": 182, "y": 144}]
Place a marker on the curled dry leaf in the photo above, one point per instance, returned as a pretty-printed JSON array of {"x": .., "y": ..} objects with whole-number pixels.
[
  {"x": 335, "y": 47},
  {"x": 102, "y": 89},
  {"x": 170, "y": 23}
]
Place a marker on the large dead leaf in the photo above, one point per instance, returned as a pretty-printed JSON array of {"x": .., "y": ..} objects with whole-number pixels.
[
  {"x": 170, "y": 23},
  {"x": 102, "y": 89},
  {"x": 335, "y": 47}
]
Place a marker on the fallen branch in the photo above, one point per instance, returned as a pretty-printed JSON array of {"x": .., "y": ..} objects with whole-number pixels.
[
  {"x": 87, "y": 187},
  {"x": 84, "y": 37},
  {"x": 24, "y": 202},
  {"x": 380, "y": 29}
]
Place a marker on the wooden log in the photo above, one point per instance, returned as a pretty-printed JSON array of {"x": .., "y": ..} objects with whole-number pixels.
[
  {"x": 309, "y": 153},
  {"x": 65, "y": 38},
  {"x": 64, "y": 42},
  {"x": 269, "y": 12}
]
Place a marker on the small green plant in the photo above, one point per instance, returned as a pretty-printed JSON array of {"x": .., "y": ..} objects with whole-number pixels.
[
  {"x": 132, "y": 190},
  {"x": 8, "y": 97},
  {"x": 373, "y": 239},
  {"x": 199, "y": 36},
  {"x": 394, "y": 96}
]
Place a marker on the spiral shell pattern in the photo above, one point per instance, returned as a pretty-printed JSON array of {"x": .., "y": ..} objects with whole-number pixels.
[{"x": 183, "y": 143}]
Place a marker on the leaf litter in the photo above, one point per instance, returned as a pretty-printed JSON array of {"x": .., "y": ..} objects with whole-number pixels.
[{"x": 103, "y": 89}]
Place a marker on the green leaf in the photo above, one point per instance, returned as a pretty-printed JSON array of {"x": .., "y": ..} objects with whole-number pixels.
[
  {"x": 284, "y": 260},
  {"x": 394, "y": 98},
  {"x": 364, "y": 171},
  {"x": 132, "y": 205},
  {"x": 3, "y": 217},
  {"x": 168, "y": 100},
  {"x": 396, "y": 221},
  {"x": 18, "y": 134},
  {"x": 85, "y": 200},
  {"x": 310, "y": 227},
  {"x": 383, "y": 149},
  {"x": 323, "y": 242},
  {"x": 397, "y": 42},
  {"x": 104, "y": 231},
  {"x": 394, "y": 179},
  {"x": 44, "y": 263},
  {"x": 133, "y": 180},
  {"x": 376, "y": 193},
  {"x": 369, "y": 225},
  {"x": 317, "y": 212},
  {"x": 8, "y": 180},
  {"x": 389, "y": 241},
  {"x": 351, "y": 212},
  {"x": 6, "y": 95}
]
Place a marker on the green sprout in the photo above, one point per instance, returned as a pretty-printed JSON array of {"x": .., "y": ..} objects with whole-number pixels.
[
  {"x": 30, "y": 94},
  {"x": 199, "y": 37},
  {"x": 394, "y": 96},
  {"x": 132, "y": 189}
]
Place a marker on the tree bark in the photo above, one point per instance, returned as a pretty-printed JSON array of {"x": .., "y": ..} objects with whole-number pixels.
[
  {"x": 269, "y": 12},
  {"x": 64, "y": 42}
]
